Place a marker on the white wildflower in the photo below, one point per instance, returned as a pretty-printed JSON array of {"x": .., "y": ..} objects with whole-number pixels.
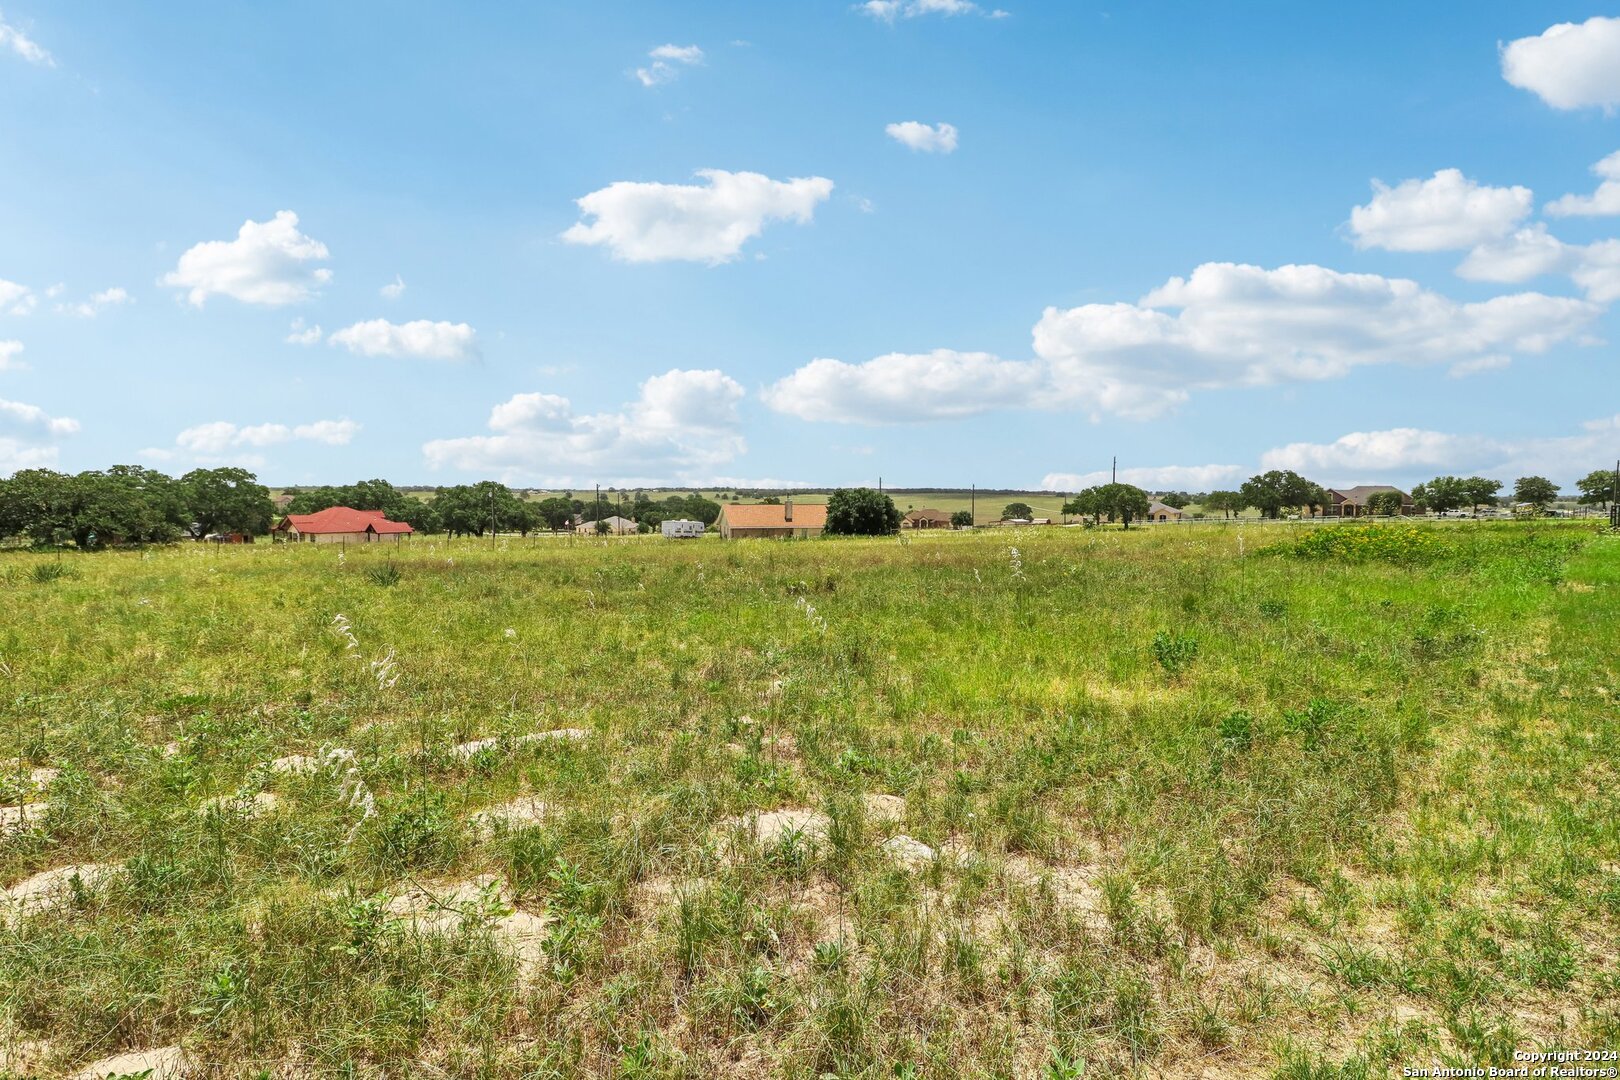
[
  {"x": 385, "y": 671},
  {"x": 343, "y": 629},
  {"x": 811, "y": 616}
]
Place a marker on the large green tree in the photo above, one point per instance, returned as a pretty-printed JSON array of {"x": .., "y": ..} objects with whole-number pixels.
[
  {"x": 37, "y": 504},
  {"x": 1597, "y": 488},
  {"x": 1481, "y": 491},
  {"x": 1017, "y": 511},
  {"x": 1123, "y": 502},
  {"x": 227, "y": 500},
  {"x": 861, "y": 512},
  {"x": 1229, "y": 503},
  {"x": 476, "y": 508},
  {"x": 1442, "y": 494},
  {"x": 1538, "y": 491},
  {"x": 127, "y": 504},
  {"x": 1272, "y": 492},
  {"x": 1085, "y": 504},
  {"x": 556, "y": 513}
]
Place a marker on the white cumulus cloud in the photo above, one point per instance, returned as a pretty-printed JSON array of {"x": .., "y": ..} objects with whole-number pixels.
[
  {"x": 898, "y": 387},
  {"x": 9, "y": 351},
  {"x": 1153, "y": 478},
  {"x": 16, "y": 299},
  {"x": 1602, "y": 202},
  {"x": 1568, "y": 65},
  {"x": 16, "y": 416},
  {"x": 418, "y": 340},
  {"x": 23, "y": 45},
  {"x": 681, "y": 426},
  {"x": 1529, "y": 252},
  {"x": 393, "y": 290},
  {"x": 89, "y": 309},
  {"x": 215, "y": 441},
  {"x": 16, "y": 454},
  {"x": 890, "y": 10},
  {"x": 1446, "y": 212},
  {"x": 1233, "y": 325},
  {"x": 1533, "y": 251},
  {"x": 301, "y": 334},
  {"x": 268, "y": 263},
  {"x": 708, "y": 222},
  {"x": 928, "y": 138},
  {"x": 1414, "y": 454},
  {"x": 1226, "y": 325},
  {"x": 667, "y": 61}
]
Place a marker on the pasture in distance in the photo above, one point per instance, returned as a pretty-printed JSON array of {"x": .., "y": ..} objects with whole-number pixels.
[{"x": 1298, "y": 802}]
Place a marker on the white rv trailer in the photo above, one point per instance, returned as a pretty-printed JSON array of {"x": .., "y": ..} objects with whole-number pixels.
[{"x": 683, "y": 530}]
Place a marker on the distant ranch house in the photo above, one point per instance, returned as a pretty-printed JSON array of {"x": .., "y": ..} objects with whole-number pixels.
[
  {"x": 771, "y": 520},
  {"x": 1158, "y": 511},
  {"x": 1352, "y": 502},
  {"x": 612, "y": 525},
  {"x": 341, "y": 525},
  {"x": 926, "y": 519}
]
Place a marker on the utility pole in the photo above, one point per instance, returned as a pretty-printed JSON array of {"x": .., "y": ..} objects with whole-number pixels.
[
  {"x": 973, "y": 502},
  {"x": 1114, "y": 475}
]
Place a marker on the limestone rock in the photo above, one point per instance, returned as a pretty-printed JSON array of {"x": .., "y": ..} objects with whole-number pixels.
[
  {"x": 907, "y": 851},
  {"x": 164, "y": 1063}
]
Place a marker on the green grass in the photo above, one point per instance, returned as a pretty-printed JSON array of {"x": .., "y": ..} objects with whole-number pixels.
[{"x": 1251, "y": 801}]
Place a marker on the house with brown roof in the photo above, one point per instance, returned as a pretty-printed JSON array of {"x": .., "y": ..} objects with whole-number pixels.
[
  {"x": 1352, "y": 502},
  {"x": 926, "y": 519},
  {"x": 341, "y": 525},
  {"x": 1158, "y": 511},
  {"x": 772, "y": 520}
]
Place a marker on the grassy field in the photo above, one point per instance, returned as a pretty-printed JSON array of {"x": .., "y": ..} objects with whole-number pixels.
[{"x": 1291, "y": 802}]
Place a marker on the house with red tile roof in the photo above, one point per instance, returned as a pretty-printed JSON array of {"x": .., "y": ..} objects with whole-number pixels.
[{"x": 341, "y": 525}]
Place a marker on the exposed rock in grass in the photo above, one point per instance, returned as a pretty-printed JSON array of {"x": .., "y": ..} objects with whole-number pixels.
[
  {"x": 770, "y": 828},
  {"x": 14, "y": 819},
  {"x": 40, "y": 777},
  {"x": 164, "y": 1063},
  {"x": 520, "y": 813},
  {"x": 466, "y": 750},
  {"x": 22, "y": 1057},
  {"x": 48, "y": 888},
  {"x": 1075, "y": 888},
  {"x": 884, "y": 809},
  {"x": 292, "y": 765},
  {"x": 446, "y": 907},
  {"x": 907, "y": 851},
  {"x": 239, "y": 805}
]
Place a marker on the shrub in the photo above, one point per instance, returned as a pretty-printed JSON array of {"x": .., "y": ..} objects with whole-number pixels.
[
  {"x": 861, "y": 512},
  {"x": 1174, "y": 652},
  {"x": 1404, "y": 545}
]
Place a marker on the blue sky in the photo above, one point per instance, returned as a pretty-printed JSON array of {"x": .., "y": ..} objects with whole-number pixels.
[{"x": 931, "y": 240}]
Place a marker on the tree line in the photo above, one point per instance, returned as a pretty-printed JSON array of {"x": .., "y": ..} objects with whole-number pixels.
[{"x": 128, "y": 504}]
